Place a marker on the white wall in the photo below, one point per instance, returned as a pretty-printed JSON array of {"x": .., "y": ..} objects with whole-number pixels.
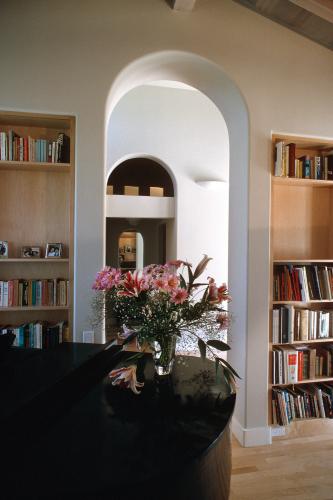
[
  {"x": 186, "y": 131},
  {"x": 63, "y": 57}
]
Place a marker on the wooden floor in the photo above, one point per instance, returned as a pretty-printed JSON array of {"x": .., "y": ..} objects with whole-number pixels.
[{"x": 297, "y": 468}]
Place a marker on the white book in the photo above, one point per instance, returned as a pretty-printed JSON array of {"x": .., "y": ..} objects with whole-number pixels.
[
  {"x": 291, "y": 319},
  {"x": 276, "y": 327},
  {"x": 324, "y": 323},
  {"x": 319, "y": 395},
  {"x": 5, "y": 294},
  {"x": 279, "y": 171},
  {"x": 292, "y": 366}
]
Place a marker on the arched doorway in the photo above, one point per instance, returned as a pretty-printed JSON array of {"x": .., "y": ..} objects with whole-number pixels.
[
  {"x": 140, "y": 201},
  {"x": 212, "y": 81}
]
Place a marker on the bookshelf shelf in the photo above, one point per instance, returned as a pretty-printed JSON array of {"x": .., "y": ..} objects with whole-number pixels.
[
  {"x": 34, "y": 166},
  {"x": 37, "y": 207},
  {"x": 34, "y": 308},
  {"x": 301, "y": 266},
  {"x": 300, "y": 302},
  {"x": 305, "y": 381},
  {"x": 303, "y": 261},
  {"x": 33, "y": 261},
  {"x": 291, "y": 181},
  {"x": 302, "y": 342}
]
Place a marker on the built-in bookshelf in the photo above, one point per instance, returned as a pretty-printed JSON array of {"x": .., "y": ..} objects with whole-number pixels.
[
  {"x": 301, "y": 299},
  {"x": 37, "y": 172}
]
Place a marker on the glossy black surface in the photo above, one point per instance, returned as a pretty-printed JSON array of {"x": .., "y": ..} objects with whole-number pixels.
[{"x": 106, "y": 442}]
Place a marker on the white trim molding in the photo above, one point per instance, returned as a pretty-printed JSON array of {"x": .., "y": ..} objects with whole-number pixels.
[{"x": 257, "y": 436}]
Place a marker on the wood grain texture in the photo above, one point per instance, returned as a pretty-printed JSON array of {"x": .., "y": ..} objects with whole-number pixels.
[
  {"x": 298, "y": 468},
  {"x": 301, "y": 222}
]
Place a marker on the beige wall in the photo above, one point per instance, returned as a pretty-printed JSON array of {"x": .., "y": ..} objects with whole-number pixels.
[{"x": 64, "y": 56}]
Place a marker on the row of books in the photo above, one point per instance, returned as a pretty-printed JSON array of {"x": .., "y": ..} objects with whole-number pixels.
[
  {"x": 310, "y": 401},
  {"x": 16, "y": 148},
  {"x": 302, "y": 283},
  {"x": 295, "y": 364},
  {"x": 305, "y": 167},
  {"x": 44, "y": 292},
  {"x": 38, "y": 334},
  {"x": 294, "y": 324}
]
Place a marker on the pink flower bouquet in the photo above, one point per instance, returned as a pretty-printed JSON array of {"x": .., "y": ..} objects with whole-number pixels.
[{"x": 163, "y": 305}]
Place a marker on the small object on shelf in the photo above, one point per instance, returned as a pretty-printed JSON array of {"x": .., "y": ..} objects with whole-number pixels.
[
  {"x": 3, "y": 249},
  {"x": 53, "y": 250},
  {"x": 30, "y": 252}
]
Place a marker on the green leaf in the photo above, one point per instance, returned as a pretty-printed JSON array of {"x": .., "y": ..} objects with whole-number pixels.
[
  {"x": 190, "y": 276},
  {"x": 223, "y": 361},
  {"x": 204, "y": 297},
  {"x": 202, "y": 348},
  {"x": 201, "y": 266},
  {"x": 218, "y": 344},
  {"x": 182, "y": 282},
  {"x": 217, "y": 364}
]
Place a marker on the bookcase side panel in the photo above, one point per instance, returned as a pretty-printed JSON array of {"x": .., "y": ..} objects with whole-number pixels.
[
  {"x": 301, "y": 222},
  {"x": 34, "y": 209}
]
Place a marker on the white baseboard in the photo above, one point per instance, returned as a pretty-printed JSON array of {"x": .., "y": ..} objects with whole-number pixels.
[{"x": 256, "y": 436}]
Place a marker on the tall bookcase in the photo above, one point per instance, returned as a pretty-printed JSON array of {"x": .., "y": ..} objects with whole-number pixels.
[
  {"x": 36, "y": 208},
  {"x": 301, "y": 237}
]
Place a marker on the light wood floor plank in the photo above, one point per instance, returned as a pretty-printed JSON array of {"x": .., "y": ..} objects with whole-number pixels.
[{"x": 299, "y": 468}]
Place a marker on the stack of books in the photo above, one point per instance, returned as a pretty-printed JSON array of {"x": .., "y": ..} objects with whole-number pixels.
[
  {"x": 16, "y": 148},
  {"x": 38, "y": 334},
  {"x": 287, "y": 164},
  {"x": 44, "y": 292},
  {"x": 310, "y": 401}
]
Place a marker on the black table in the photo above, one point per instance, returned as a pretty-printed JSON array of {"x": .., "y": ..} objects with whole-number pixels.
[{"x": 77, "y": 436}]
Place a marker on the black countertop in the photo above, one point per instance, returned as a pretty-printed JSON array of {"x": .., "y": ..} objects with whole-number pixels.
[{"x": 88, "y": 439}]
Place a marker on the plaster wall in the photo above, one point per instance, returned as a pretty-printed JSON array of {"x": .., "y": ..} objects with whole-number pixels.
[
  {"x": 185, "y": 130},
  {"x": 63, "y": 57}
]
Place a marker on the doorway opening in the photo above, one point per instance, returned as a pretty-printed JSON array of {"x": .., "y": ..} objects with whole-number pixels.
[{"x": 130, "y": 251}]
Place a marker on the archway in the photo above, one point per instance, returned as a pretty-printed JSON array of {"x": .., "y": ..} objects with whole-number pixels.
[
  {"x": 212, "y": 81},
  {"x": 140, "y": 198}
]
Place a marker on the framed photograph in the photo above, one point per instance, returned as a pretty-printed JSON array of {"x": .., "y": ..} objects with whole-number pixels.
[
  {"x": 53, "y": 251},
  {"x": 3, "y": 249},
  {"x": 30, "y": 252}
]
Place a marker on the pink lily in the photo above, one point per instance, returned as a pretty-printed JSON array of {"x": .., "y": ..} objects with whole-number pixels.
[
  {"x": 125, "y": 377},
  {"x": 179, "y": 295},
  {"x": 132, "y": 284}
]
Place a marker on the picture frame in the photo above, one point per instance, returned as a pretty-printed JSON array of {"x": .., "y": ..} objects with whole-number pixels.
[
  {"x": 30, "y": 252},
  {"x": 3, "y": 249},
  {"x": 53, "y": 250}
]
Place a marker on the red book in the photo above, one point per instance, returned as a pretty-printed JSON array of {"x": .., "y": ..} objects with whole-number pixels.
[
  {"x": 300, "y": 365},
  {"x": 25, "y": 149},
  {"x": 292, "y": 367}
]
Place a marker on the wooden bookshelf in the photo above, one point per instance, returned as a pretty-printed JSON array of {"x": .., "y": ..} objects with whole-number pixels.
[
  {"x": 34, "y": 308},
  {"x": 301, "y": 234},
  {"x": 27, "y": 166},
  {"x": 302, "y": 342},
  {"x": 36, "y": 208},
  {"x": 305, "y": 381},
  {"x": 21, "y": 260}
]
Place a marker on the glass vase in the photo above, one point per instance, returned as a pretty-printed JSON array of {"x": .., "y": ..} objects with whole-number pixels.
[{"x": 164, "y": 354}]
